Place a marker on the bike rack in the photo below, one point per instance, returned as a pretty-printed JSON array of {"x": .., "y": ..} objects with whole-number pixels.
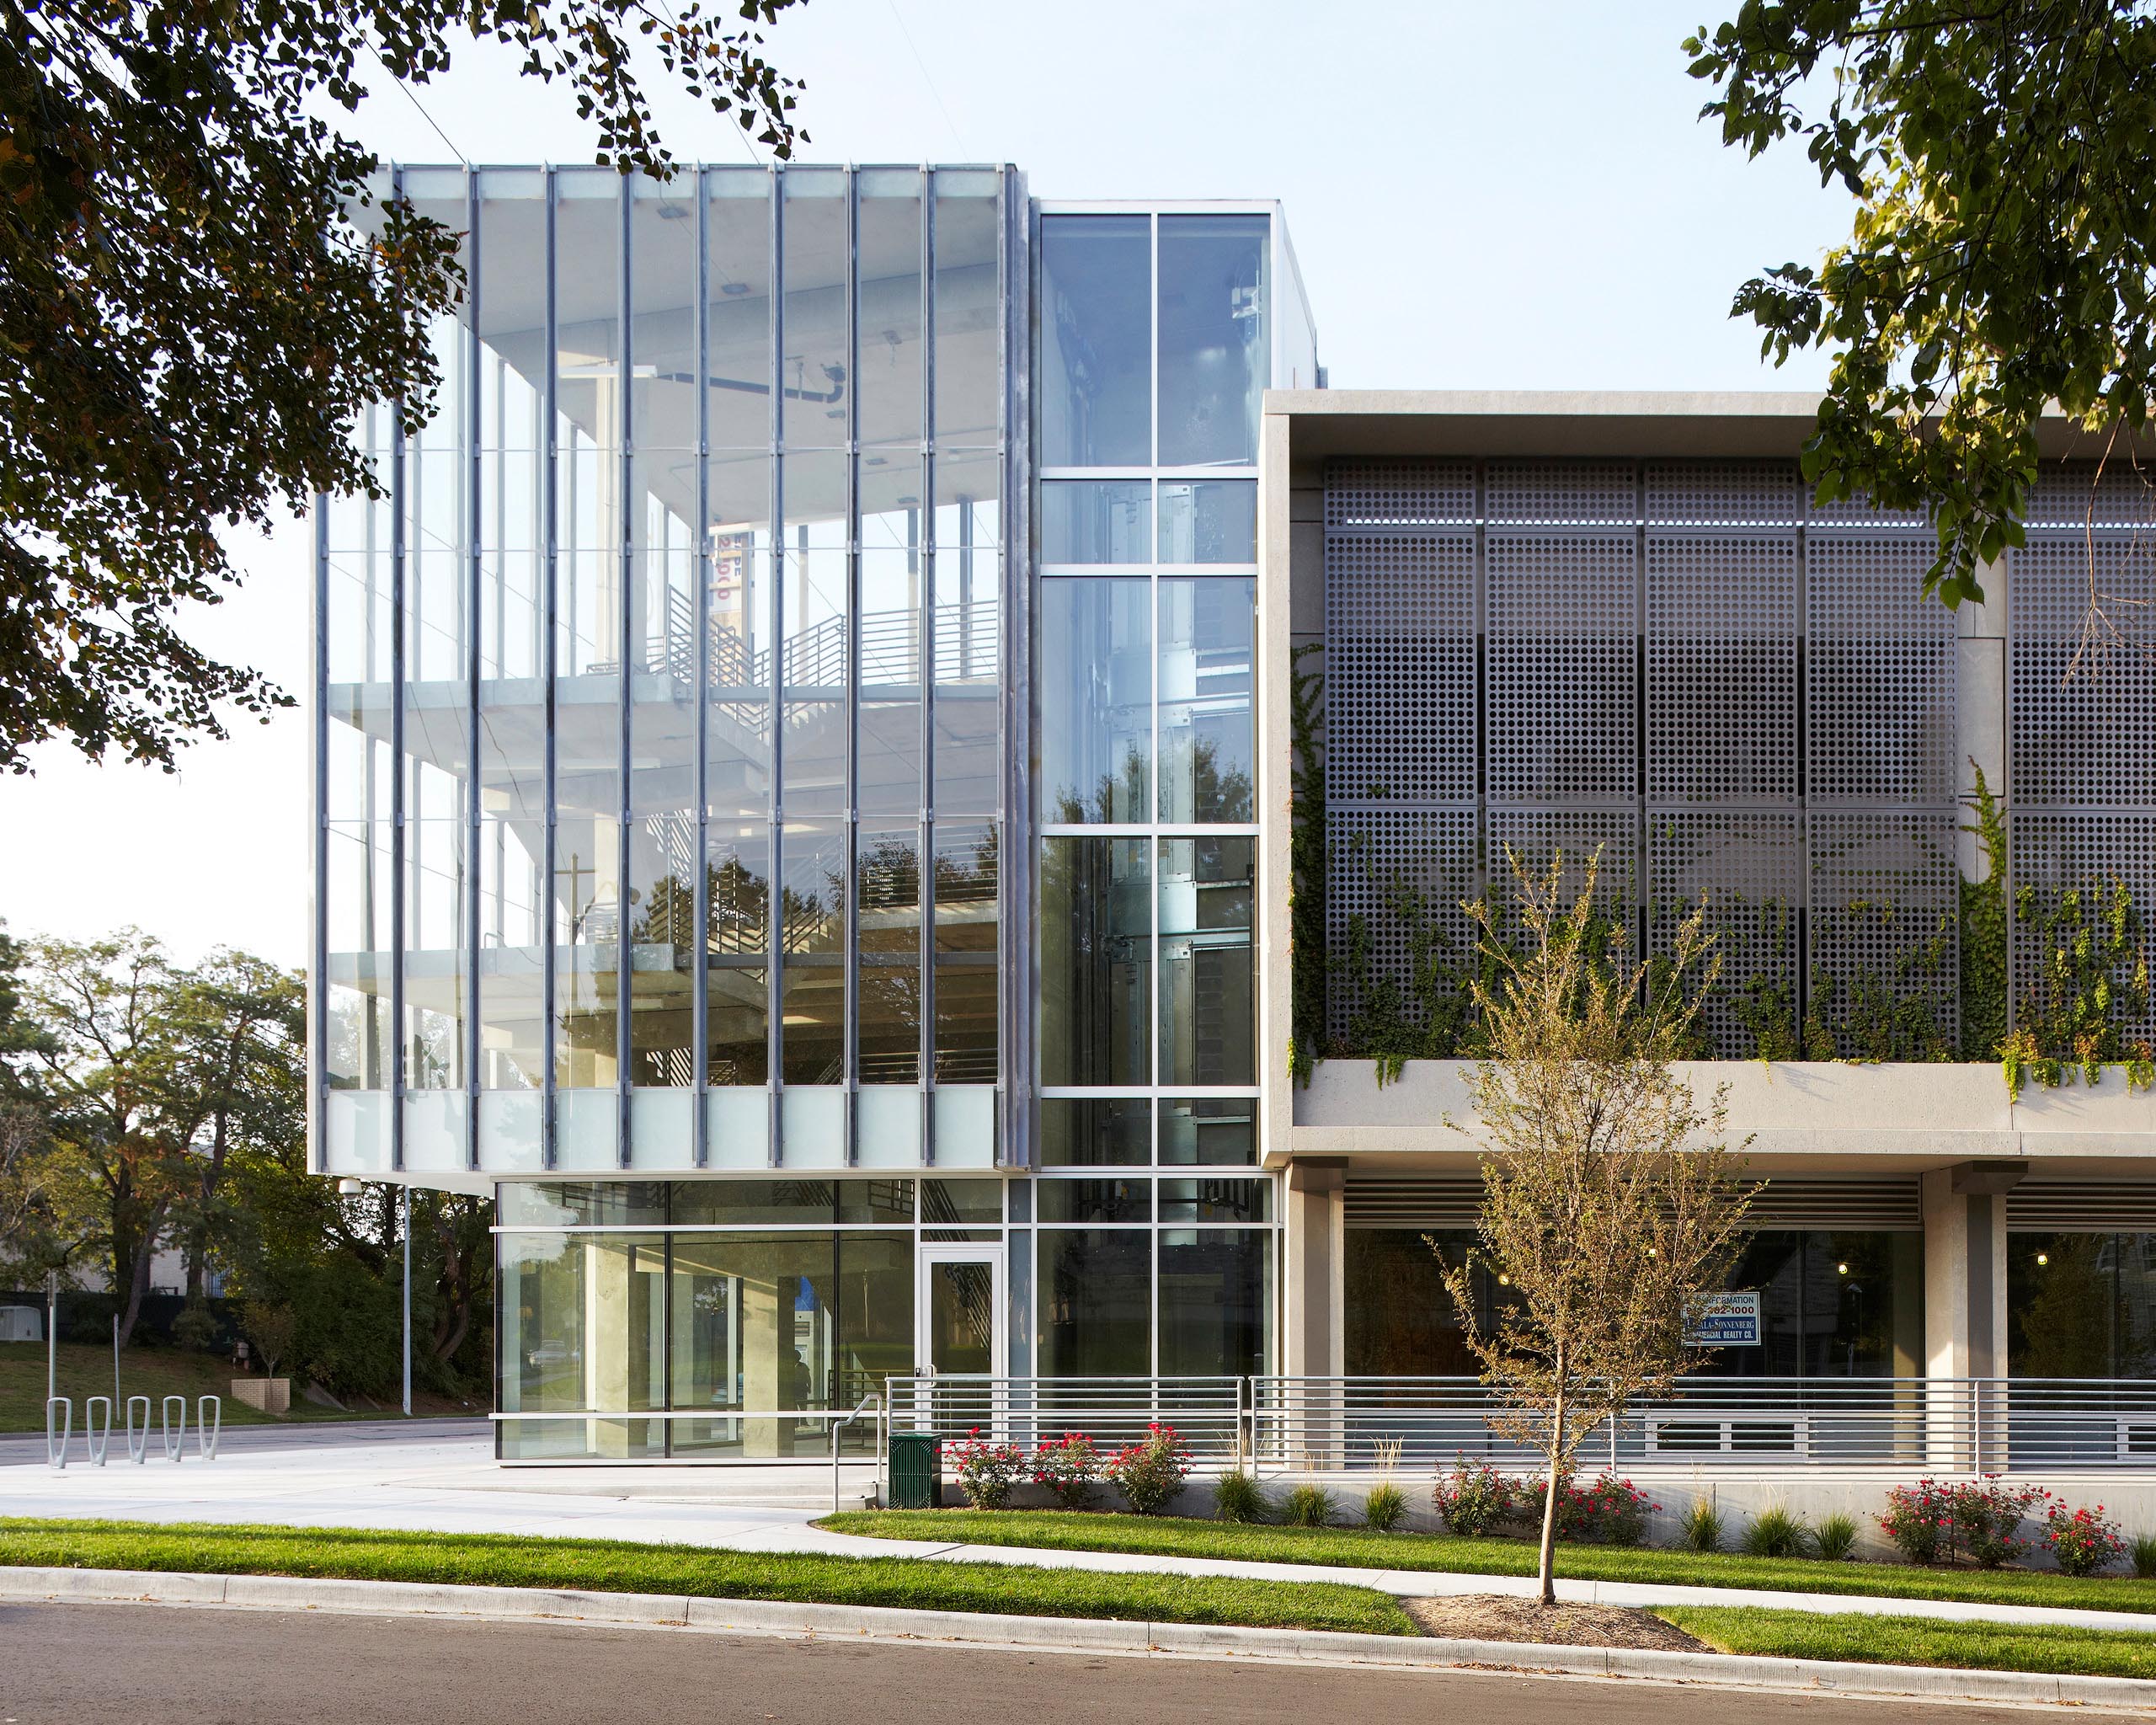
[
  {"x": 138, "y": 1452},
  {"x": 96, "y": 1436},
  {"x": 209, "y": 1424},
  {"x": 56, "y": 1454},
  {"x": 174, "y": 1441}
]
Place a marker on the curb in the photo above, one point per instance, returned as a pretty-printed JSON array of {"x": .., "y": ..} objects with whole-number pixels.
[{"x": 890, "y": 1623}]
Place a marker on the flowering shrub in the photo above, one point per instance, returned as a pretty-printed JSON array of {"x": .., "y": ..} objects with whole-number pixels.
[
  {"x": 1919, "y": 1519},
  {"x": 2082, "y": 1541},
  {"x": 1988, "y": 1515},
  {"x": 1936, "y": 1522},
  {"x": 1474, "y": 1499},
  {"x": 1618, "y": 1510},
  {"x": 985, "y": 1471},
  {"x": 1068, "y": 1469},
  {"x": 1151, "y": 1472}
]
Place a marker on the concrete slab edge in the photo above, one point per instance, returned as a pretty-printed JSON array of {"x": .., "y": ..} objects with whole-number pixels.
[{"x": 780, "y": 1616}]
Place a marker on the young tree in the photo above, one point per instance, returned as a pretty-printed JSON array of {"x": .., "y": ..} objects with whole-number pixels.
[
  {"x": 1608, "y": 1202},
  {"x": 190, "y": 320},
  {"x": 2003, "y": 250}
]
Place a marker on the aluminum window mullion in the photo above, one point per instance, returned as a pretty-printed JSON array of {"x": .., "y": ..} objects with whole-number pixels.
[
  {"x": 625, "y": 629},
  {"x": 1015, "y": 719},
  {"x": 775, "y": 918},
  {"x": 474, "y": 590},
  {"x": 550, "y": 651},
  {"x": 925, "y": 991},
  {"x": 700, "y": 580},
  {"x": 849, "y": 919},
  {"x": 396, "y": 550}
]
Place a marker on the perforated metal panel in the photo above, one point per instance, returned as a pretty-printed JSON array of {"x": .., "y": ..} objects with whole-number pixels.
[
  {"x": 1883, "y": 932},
  {"x": 1400, "y": 666},
  {"x": 2083, "y": 708},
  {"x": 1536, "y": 836},
  {"x": 2083, "y": 853},
  {"x": 1560, "y": 700},
  {"x": 1383, "y": 493},
  {"x": 1880, "y": 671},
  {"x": 1376, "y": 853},
  {"x": 1721, "y": 667},
  {"x": 1750, "y": 869},
  {"x": 1722, "y": 494},
  {"x": 1857, "y": 511},
  {"x": 1560, "y": 493},
  {"x": 2082, "y": 494}
]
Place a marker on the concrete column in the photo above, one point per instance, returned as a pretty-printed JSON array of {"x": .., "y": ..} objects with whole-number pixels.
[
  {"x": 1964, "y": 1307},
  {"x": 608, "y": 1302},
  {"x": 1316, "y": 1189}
]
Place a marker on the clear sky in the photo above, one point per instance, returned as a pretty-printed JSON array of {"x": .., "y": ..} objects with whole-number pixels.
[{"x": 1516, "y": 196}]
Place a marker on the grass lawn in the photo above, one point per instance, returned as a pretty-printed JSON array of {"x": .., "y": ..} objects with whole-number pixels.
[
  {"x": 85, "y": 1370},
  {"x": 1918, "y": 1641},
  {"x": 618, "y": 1566},
  {"x": 1064, "y": 1530}
]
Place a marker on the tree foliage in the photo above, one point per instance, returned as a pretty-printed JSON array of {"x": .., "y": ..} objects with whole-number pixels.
[
  {"x": 188, "y": 320},
  {"x": 1609, "y": 1203},
  {"x": 2003, "y": 157}
]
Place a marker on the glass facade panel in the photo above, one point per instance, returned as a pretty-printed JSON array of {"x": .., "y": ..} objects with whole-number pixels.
[
  {"x": 887, "y": 894},
  {"x": 1216, "y": 1131},
  {"x": 815, "y": 369},
  {"x": 2081, "y": 1305},
  {"x": 1095, "y": 1200},
  {"x": 1096, "y": 1005},
  {"x": 892, "y": 404},
  {"x": 1215, "y": 352},
  {"x": 1095, "y": 324},
  {"x": 1208, "y": 520},
  {"x": 968, "y": 286},
  {"x": 668, "y": 536},
  {"x": 1096, "y": 520},
  {"x": 737, "y": 310},
  {"x": 1097, "y": 701},
  {"x": 815, "y": 625},
  {"x": 510, "y": 294},
  {"x": 1095, "y": 1302},
  {"x": 1208, "y": 965},
  {"x": 1216, "y": 1301},
  {"x": 1109, "y": 1131},
  {"x": 1208, "y": 636}
]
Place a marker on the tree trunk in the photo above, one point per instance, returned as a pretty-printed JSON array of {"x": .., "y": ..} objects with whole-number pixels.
[
  {"x": 138, "y": 1283},
  {"x": 1546, "y": 1564}
]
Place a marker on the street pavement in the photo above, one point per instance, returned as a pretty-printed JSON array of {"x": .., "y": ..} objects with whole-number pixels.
[{"x": 129, "y": 1662}]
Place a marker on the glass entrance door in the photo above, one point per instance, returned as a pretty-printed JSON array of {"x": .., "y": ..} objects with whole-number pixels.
[{"x": 960, "y": 1333}]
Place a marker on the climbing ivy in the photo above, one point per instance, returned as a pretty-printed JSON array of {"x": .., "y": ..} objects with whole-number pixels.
[
  {"x": 1306, "y": 866},
  {"x": 2091, "y": 976}
]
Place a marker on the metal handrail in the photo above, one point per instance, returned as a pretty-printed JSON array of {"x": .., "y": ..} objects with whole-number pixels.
[{"x": 838, "y": 1426}]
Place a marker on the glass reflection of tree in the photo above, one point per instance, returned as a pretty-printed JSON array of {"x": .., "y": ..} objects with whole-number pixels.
[{"x": 2066, "y": 1325}]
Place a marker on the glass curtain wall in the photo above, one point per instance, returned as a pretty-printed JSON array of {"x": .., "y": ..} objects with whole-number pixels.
[
  {"x": 1154, "y": 350},
  {"x": 673, "y": 651}
]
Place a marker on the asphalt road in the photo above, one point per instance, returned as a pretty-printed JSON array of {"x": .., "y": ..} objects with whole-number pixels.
[{"x": 119, "y": 1663}]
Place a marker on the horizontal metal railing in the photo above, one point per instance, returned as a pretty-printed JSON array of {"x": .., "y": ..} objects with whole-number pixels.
[
  {"x": 1421, "y": 1426},
  {"x": 1207, "y": 1413},
  {"x": 1938, "y": 1424}
]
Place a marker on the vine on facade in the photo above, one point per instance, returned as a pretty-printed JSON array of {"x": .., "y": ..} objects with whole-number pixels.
[{"x": 2088, "y": 981}]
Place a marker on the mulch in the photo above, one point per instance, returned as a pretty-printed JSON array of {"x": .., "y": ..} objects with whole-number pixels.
[{"x": 1506, "y": 1617}]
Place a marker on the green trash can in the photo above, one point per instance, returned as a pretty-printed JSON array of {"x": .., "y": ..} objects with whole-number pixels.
[{"x": 917, "y": 1470}]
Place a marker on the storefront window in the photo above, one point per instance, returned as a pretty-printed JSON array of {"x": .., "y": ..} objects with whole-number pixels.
[
  {"x": 2081, "y": 1305},
  {"x": 1833, "y": 1304}
]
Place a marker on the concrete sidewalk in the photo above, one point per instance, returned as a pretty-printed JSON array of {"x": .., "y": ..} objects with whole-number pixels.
[{"x": 436, "y": 1482}]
